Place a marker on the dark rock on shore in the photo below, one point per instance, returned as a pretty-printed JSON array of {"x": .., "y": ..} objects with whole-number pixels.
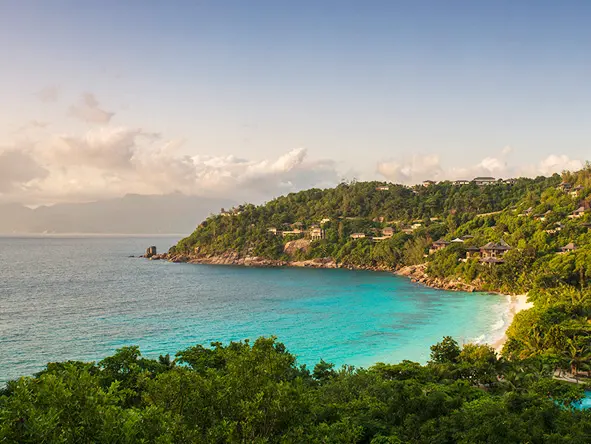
[{"x": 416, "y": 273}]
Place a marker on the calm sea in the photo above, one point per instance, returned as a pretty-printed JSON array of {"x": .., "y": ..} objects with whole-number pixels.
[{"x": 81, "y": 298}]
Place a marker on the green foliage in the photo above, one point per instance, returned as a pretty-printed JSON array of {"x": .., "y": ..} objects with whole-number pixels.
[
  {"x": 445, "y": 352},
  {"x": 256, "y": 393}
]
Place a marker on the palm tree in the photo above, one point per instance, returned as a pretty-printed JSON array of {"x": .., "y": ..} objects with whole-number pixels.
[{"x": 577, "y": 357}]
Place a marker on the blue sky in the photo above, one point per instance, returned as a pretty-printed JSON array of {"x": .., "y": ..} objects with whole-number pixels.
[{"x": 395, "y": 90}]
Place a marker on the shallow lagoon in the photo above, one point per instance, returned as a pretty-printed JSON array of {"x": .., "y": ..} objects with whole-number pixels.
[{"x": 82, "y": 297}]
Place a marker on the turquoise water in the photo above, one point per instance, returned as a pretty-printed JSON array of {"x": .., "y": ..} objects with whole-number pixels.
[
  {"x": 585, "y": 403},
  {"x": 81, "y": 298}
]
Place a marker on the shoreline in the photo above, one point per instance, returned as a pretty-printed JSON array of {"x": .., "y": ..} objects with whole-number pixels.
[
  {"x": 415, "y": 273},
  {"x": 517, "y": 303}
]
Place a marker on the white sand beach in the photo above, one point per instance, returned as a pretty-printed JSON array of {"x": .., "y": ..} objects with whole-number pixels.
[{"x": 517, "y": 304}]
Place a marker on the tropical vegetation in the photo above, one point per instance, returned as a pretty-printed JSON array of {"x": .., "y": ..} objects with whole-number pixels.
[{"x": 256, "y": 393}]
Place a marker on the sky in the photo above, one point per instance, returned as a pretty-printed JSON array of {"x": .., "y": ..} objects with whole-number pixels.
[{"x": 253, "y": 99}]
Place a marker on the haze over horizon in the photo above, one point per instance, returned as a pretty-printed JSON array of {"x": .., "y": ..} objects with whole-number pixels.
[{"x": 242, "y": 101}]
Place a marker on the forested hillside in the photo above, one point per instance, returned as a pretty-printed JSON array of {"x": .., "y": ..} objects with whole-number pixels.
[{"x": 365, "y": 207}]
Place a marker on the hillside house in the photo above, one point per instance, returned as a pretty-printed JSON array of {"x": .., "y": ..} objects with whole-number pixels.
[
  {"x": 316, "y": 233},
  {"x": 510, "y": 181},
  {"x": 324, "y": 221},
  {"x": 568, "y": 248},
  {"x": 542, "y": 217},
  {"x": 565, "y": 186},
  {"x": 388, "y": 232},
  {"x": 457, "y": 240},
  {"x": 480, "y": 181},
  {"x": 358, "y": 236},
  {"x": 557, "y": 227},
  {"x": 428, "y": 183},
  {"x": 493, "y": 252},
  {"x": 382, "y": 188},
  {"x": 273, "y": 231},
  {"x": 461, "y": 182},
  {"x": 438, "y": 245},
  {"x": 577, "y": 213}
]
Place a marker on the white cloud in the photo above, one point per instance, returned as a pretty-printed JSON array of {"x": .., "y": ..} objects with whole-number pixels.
[
  {"x": 555, "y": 164},
  {"x": 413, "y": 170},
  {"x": 419, "y": 168},
  {"x": 113, "y": 161},
  {"x": 88, "y": 110}
]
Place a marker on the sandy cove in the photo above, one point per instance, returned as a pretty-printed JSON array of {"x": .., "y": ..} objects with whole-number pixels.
[
  {"x": 416, "y": 273},
  {"x": 518, "y": 303}
]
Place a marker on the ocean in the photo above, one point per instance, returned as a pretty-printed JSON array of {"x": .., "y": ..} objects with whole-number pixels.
[{"x": 81, "y": 298}]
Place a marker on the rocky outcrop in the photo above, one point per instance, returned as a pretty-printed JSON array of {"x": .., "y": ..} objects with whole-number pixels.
[
  {"x": 296, "y": 246},
  {"x": 418, "y": 274}
]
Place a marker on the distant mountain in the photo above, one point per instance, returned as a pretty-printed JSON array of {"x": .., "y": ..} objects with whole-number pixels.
[{"x": 131, "y": 214}]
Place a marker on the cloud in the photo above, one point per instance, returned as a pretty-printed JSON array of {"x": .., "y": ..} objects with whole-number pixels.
[
  {"x": 88, "y": 110},
  {"x": 18, "y": 169},
  {"x": 113, "y": 161},
  {"x": 413, "y": 170},
  {"x": 49, "y": 94},
  {"x": 555, "y": 163},
  {"x": 104, "y": 148},
  {"x": 423, "y": 167}
]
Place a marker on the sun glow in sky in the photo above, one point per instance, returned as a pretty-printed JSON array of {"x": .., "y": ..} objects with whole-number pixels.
[{"x": 255, "y": 99}]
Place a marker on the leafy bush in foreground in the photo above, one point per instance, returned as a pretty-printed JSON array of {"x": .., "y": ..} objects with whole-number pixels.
[{"x": 256, "y": 393}]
